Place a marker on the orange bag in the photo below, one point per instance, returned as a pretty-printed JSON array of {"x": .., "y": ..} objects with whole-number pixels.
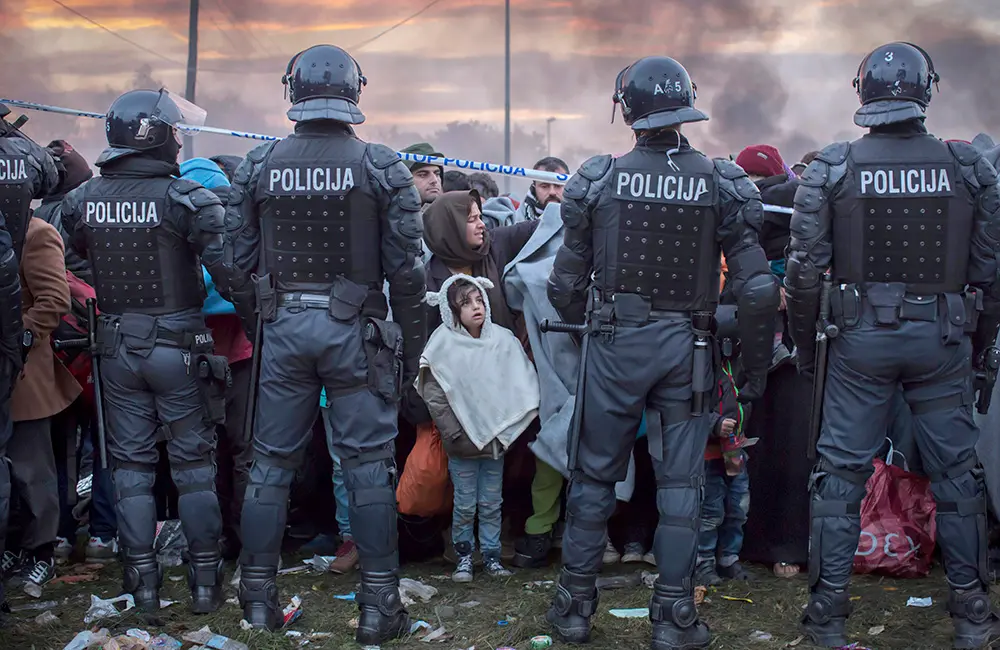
[{"x": 424, "y": 488}]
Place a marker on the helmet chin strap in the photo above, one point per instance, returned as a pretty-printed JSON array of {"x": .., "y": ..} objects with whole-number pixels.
[{"x": 670, "y": 162}]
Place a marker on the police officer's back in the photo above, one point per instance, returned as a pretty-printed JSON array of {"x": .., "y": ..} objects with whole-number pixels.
[
  {"x": 319, "y": 221},
  {"x": 650, "y": 227},
  {"x": 909, "y": 228},
  {"x": 26, "y": 172},
  {"x": 143, "y": 232}
]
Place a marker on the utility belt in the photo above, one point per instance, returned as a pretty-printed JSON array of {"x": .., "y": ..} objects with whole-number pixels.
[
  {"x": 348, "y": 303},
  {"x": 139, "y": 334},
  {"x": 889, "y": 304},
  {"x": 634, "y": 310}
]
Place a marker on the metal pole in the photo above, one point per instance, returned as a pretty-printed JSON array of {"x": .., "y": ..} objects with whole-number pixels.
[
  {"x": 506, "y": 108},
  {"x": 192, "y": 71},
  {"x": 548, "y": 135}
]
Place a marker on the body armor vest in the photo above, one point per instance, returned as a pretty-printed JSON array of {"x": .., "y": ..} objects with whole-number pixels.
[
  {"x": 17, "y": 178},
  {"x": 904, "y": 214},
  {"x": 141, "y": 265},
  {"x": 654, "y": 231},
  {"x": 319, "y": 216}
]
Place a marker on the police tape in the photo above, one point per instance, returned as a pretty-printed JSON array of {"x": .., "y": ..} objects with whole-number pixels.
[{"x": 444, "y": 161}]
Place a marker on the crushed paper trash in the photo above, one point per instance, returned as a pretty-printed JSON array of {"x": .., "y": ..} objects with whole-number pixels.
[
  {"x": 320, "y": 563},
  {"x": 408, "y": 588},
  {"x": 46, "y": 618},
  {"x": 648, "y": 578},
  {"x": 699, "y": 594},
  {"x": 210, "y": 639},
  {"x": 33, "y": 590},
  {"x": 758, "y": 635},
  {"x": 471, "y": 603},
  {"x": 795, "y": 642},
  {"x": 292, "y": 611},
  {"x": 913, "y": 601},
  {"x": 538, "y": 583},
  {"x": 875, "y": 631},
  {"x": 87, "y": 638},
  {"x": 101, "y": 608}
]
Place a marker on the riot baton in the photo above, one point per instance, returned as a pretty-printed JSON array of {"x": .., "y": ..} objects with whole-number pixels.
[
  {"x": 987, "y": 378},
  {"x": 90, "y": 344},
  {"x": 576, "y": 424},
  {"x": 825, "y": 331},
  {"x": 251, "y": 412}
]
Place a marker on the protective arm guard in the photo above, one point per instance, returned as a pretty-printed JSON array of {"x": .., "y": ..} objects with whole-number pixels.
[
  {"x": 810, "y": 247},
  {"x": 980, "y": 177},
  {"x": 10, "y": 312},
  {"x": 574, "y": 263},
  {"x": 750, "y": 276},
  {"x": 202, "y": 220},
  {"x": 241, "y": 238},
  {"x": 402, "y": 232},
  {"x": 72, "y": 220}
]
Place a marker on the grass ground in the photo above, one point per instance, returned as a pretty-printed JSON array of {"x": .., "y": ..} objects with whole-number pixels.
[{"x": 509, "y": 612}]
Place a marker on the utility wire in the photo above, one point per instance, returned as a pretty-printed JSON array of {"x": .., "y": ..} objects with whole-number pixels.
[{"x": 371, "y": 40}]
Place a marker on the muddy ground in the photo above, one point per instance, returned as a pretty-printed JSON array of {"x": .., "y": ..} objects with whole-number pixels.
[{"x": 509, "y": 613}]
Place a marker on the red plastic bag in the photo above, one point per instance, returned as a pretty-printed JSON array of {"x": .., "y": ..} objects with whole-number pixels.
[
  {"x": 898, "y": 528},
  {"x": 425, "y": 488}
]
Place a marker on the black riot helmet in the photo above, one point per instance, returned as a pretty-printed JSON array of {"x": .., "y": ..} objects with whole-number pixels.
[
  {"x": 656, "y": 92},
  {"x": 894, "y": 84},
  {"x": 324, "y": 83}
]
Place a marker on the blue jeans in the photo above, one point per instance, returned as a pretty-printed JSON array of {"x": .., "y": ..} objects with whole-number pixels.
[
  {"x": 103, "y": 519},
  {"x": 723, "y": 514},
  {"x": 477, "y": 482},
  {"x": 339, "y": 489}
]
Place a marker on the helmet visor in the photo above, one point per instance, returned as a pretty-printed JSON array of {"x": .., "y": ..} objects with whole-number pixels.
[{"x": 185, "y": 113}]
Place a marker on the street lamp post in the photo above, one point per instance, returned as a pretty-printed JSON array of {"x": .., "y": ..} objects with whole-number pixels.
[
  {"x": 548, "y": 134},
  {"x": 506, "y": 108}
]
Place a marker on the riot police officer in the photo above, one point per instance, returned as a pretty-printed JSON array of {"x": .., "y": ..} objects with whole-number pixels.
[
  {"x": 909, "y": 228},
  {"x": 143, "y": 231},
  {"x": 319, "y": 220},
  {"x": 26, "y": 172},
  {"x": 649, "y": 226}
]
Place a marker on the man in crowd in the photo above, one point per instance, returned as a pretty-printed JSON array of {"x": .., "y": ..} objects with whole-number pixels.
[
  {"x": 541, "y": 193},
  {"x": 427, "y": 178},
  {"x": 485, "y": 185},
  {"x": 152, "y": 334},
  {"x": 314, "y": 309},
  {"x": 648, "y": 307},
  {"x": 910, "y": 226},
  {"x": 44, "y": 390}
]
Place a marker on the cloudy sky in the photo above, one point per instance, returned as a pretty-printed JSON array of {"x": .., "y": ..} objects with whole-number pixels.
[{"x": 767, "y": 70}]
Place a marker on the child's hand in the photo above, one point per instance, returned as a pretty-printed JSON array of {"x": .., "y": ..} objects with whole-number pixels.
[{"x": 728, "y": 426}]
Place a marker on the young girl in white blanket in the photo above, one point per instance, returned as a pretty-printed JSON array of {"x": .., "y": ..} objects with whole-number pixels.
[{"x": 482, "y": 392}]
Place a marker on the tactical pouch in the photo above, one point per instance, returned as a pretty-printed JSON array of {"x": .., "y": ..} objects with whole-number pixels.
[
  {"x": 922, "y": 308},
  {"x": 346, "y": 300},
  {"x": 953, "y": 323},
  {"x": 631, "y": 309},
  {"x": 845, "y": 306},
  {"x": 886, "y": 301},
  {"x": 383, "y": 342},
  {"x": 109, "y": 337},
  {"x": 267, "y": 299},
  {"x": 214, "y": 377},
  {"x": 138, "y": 333},
  {"x": 973, "y": 307}
]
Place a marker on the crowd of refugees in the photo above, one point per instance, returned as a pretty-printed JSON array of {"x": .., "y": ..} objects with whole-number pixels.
[{"x": 471, "y": 235}]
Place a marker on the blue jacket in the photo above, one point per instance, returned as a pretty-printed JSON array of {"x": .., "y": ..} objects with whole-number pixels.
[{"x": 210, "y": 176}]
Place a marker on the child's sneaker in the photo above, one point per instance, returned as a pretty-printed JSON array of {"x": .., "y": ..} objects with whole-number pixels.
[
  {"x": 63, "y": 550},
  {"x": 495, "y": 568},
  {"x": 463, "y": 570},
  {"x": 40, "y": 572},
  {"x": 611, "y": 554},
  {"x": 633, "y": 553},
  {"x": 101, "y": 552},
  {"x": 734, "y": 571}
]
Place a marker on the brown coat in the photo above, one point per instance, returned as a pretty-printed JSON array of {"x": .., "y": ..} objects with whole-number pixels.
[{"x": 45, "y": 386}]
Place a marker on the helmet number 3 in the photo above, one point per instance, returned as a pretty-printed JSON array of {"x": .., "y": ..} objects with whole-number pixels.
[{"x": 888, "y": 57}]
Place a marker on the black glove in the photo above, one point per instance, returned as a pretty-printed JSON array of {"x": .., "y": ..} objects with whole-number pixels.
[{"x": 412, "y": 406}]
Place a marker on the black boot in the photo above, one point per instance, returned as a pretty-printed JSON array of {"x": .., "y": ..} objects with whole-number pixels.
[
  {"x": 975, "y": 623},
  {"x": 532, "y": 551},
  {"x": 826, "y": 615},
  {"x": 675, "y": 619},
  {"x": 205, "y": 581},
  {"x": 142, "y": 577},
  {"x": 382, "y": 615},
  {"x": 574, "y": 604},
  {"x": 259, "y": 597}
]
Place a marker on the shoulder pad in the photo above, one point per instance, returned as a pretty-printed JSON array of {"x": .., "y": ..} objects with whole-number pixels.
[
  {"x": 728, "y": 169},
  {"x": 835, "y": 154},
  {"x": 966, "y": 154},
  {"x": 594, "y": 168},
  {"x": 192, "y": 195},
  {"x": 591, "y": 171},
  {"x": 259, "y": 153},
  {"x": 986, "y": 174},
  {"x": 382, "y": 157}
]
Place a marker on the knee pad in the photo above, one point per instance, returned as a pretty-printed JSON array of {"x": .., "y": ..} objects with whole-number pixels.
[
  {"x": 133, "y": 479},
  {"x": 193, "y": 477},
  {"x": 824, "y": 480}
]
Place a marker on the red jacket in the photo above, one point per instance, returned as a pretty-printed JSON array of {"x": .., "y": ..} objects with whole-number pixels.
[{"x": 230, "y": 341}]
